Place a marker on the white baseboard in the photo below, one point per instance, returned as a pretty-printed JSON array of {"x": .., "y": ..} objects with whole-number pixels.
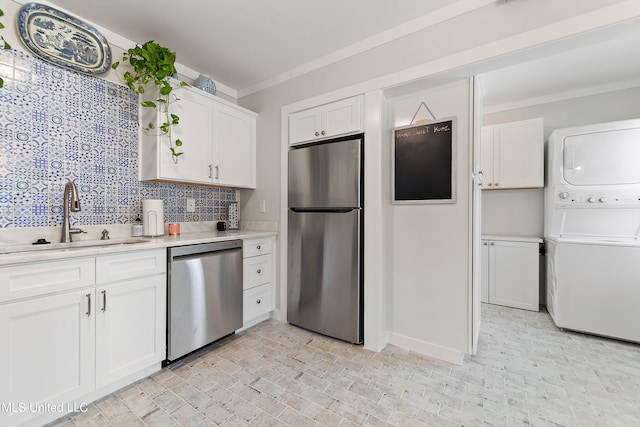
[{"x": 427, "y": 349}]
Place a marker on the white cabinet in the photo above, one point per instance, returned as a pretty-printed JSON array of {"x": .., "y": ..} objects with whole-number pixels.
[
  {"x": 47, "y": 353},
  {"x": 130, "y": 314},
  {"x": 513, "y": 155},
  {"x": 219, "y": 142},
  {"x": 330, "y": 120},
  {"x": 510, "y": 274},
  {"x": 92, "y": 322},
  {"x": 234, "y": 155},
  {"x": 258, "y": 280}
]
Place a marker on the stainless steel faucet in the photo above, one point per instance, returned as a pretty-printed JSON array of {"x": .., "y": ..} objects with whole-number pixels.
[{"x": 71, "y": 202}]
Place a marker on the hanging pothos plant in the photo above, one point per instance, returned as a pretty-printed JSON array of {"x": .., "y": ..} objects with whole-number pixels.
[
  {"x": 154, "y": 64},
  {"x": 5, "y": 45}
]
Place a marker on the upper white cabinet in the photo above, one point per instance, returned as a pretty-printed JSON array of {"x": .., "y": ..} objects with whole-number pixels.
[
  {"x": 219, "y": 142},
  {"x": 234, "y": 132},
  {"x": 513, "y": 155},
  {"x": 337, "y": 118}
]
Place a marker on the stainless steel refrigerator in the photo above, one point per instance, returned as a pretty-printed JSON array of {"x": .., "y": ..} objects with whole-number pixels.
[{"x": 325, "y": 239}]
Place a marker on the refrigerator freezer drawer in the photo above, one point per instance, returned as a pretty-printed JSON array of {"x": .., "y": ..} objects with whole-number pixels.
[{"x": 324, "y": 273}]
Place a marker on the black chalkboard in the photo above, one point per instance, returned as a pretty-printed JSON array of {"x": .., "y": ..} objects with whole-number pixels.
[{"x": 423, "y": 163}]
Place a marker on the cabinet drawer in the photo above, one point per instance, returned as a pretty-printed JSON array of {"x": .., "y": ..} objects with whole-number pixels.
[
  {"x": 33, "y": 279},
  {"x": 256, "y": 271},
  {"x": 256, "y": 247},
  {"x": 129, "y": 265},
  {"x": 257, "y": 301}
]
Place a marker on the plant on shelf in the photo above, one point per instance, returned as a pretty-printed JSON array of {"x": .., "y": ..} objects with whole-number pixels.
[
  {"x": 152, "y": 64},
  {"x": 4, "y": 43}
]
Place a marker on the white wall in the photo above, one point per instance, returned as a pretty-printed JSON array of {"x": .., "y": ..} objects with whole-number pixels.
[
  {"x": 430, "y": 259},
  {"x": 443, "y": 328},
  {"x": 520, "y": 212}
]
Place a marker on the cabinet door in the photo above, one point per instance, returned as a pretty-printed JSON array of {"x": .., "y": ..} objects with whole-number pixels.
[
  {"x": 484, "y": 273},
  {"x": 486, "y": 156},
  {"x": 342, "y": 117},
  {"x": 513, "y": 270},
  {"x": 130, "y": 327},
  {"x": 518, "y": 154},
  {"x": 195, "y": 130},
  {"x": 234, "y": 157},
  {"x": 305, "y": 125},
  {"x": 47, "y": 352}
]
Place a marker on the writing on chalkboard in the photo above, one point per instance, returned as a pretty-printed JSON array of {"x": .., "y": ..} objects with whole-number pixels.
[{"x": 424, "y": 163}]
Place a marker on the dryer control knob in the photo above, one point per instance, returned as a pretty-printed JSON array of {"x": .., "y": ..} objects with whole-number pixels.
[
  {"x": 591, "y": 200},
  {"x": 602, "y": 199},
  {"x": 563, "y": 195}
]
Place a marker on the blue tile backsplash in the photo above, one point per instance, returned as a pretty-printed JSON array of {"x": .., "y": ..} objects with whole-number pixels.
[{"x": 58, "y": 125}]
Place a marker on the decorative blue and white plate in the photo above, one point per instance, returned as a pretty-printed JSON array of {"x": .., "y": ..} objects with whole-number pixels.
[{"x": 63, "y": 40}]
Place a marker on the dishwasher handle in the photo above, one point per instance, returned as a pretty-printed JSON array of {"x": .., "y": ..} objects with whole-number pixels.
[
  {"x": 180, "y": 252},
  {"x": 200, "y": 255}
]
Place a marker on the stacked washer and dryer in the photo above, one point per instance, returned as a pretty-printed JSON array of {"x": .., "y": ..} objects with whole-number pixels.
[{"x": 592, "y": 229}]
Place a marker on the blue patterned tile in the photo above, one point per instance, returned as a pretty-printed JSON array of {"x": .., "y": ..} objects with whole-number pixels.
[{"x": 57, "y": 125}]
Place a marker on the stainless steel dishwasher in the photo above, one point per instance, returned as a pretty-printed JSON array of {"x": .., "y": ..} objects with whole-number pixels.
[{"x": 204, "y": 295}]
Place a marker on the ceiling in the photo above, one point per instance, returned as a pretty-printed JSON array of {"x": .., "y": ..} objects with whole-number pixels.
[
  {"x": 241, "y": 43},
  {"x": 601, "y": 61},
  {"x": 249, "y": 43}
]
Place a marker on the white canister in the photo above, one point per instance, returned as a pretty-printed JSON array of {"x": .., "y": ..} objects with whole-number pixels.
[{"x": 153, "y": 217}]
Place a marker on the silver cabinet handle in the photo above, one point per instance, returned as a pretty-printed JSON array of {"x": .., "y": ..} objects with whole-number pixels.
[
  {"x": 104, "y": 301},
  {"x": 210, "y": 171},
  {"x": 489, "y": 184},
  {"x": 322, "y": 132},
  {"x": 259, "y": 301},
  {"x": 496, "y": 184},
  {"x": 258, "y": 247},
  {"x": 88, "y": 313},
  {"x": 317, "y": 134},
  {"x": 258, "y": 271},
  {"x": 217, "y": 171}
]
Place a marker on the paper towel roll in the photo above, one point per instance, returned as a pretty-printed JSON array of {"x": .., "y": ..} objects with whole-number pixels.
[{"x": 153, "y": 217}]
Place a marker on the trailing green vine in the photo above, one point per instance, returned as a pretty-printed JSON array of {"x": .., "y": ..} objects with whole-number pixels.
[
  {"x": 154, "y": 64},
  {"x": 5, "y": 45}
]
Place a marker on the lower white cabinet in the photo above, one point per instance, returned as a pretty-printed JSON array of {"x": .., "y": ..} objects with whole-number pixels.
[
  {"x": 47, "y": 353},
  {"x": 130, "y": 327},
  {"x": 258, "y": 281},
  {"x": 60, "y": 346},
  {"x": 510, "y": 271}
]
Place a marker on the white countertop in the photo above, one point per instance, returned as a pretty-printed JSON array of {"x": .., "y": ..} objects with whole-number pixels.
[
  {"x": 120, "y": 245},
  {"x": 508, "y": 238}
]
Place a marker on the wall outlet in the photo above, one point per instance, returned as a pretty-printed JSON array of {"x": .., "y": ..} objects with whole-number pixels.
[
  {"x": 263, "y": 206},
  {"x": 191, "y": 205}
]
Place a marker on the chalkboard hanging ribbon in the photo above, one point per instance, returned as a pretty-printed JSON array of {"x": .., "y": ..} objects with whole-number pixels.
[{"x": 416, "y": 113}]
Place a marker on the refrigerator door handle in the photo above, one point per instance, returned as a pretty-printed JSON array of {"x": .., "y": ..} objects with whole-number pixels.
[{"x": 336, "y": 210}]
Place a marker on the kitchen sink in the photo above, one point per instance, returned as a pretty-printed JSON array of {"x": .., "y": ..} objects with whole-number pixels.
[{"x": 10, "y": 249}]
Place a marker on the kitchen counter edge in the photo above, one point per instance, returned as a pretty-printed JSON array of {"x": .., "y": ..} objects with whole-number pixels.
[{"x": 165, "y": 241}]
